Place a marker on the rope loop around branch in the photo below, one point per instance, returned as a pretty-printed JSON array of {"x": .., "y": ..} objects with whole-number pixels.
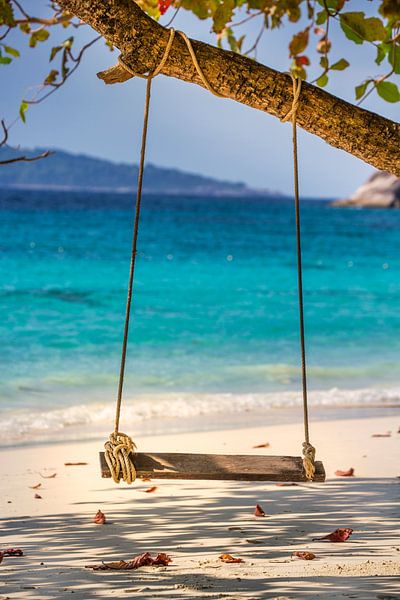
[{"x": 164, "y": 59}]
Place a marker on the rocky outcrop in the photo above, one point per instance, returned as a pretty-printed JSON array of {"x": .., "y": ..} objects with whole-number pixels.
[{"x": 381, "y": 190}]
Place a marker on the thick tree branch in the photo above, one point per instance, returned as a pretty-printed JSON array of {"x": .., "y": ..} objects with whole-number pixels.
[{"x": 141, "y": 40}]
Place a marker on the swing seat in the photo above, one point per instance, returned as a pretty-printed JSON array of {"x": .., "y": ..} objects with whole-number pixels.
[{"x": 241, "y": 467}]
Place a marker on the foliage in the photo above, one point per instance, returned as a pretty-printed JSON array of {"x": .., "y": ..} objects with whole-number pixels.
[{"x": 309, "y": 24}]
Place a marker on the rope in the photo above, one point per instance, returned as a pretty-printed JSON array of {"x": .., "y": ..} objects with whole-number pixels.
[
  {"x": 308, "y": 449},
  {"x": 164, "y": 59},
  {"x": 120, "y": 447}
]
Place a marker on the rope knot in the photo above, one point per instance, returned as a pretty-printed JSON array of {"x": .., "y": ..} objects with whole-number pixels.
[
  {"x": 118, "y": 451},
  {"x": 308, "y": 460}
]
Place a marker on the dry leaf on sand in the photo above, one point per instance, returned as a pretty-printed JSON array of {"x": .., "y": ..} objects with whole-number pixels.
[
  {"x": 348, "y": 473},
  {"x": 99, "y": 518},
  {"x": 265, "y": 445},
  {"x": 259, "y": 512},
  {"x": 150, "y": 490},
  {"x": 339, "y": 535},
  {"x": 142, "y": 560},
  {"x": 304, "y": 555},
  {"x": 228, "y": 558}
]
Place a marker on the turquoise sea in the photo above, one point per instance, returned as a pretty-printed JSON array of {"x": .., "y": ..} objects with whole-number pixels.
[{"x": 215, "y": 314}]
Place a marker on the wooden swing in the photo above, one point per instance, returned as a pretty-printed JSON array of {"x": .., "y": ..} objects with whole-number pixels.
[{"x": 120, "y": 459}]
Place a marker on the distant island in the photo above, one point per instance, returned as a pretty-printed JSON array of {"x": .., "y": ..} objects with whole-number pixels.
[{"x": 65, "y": 171}]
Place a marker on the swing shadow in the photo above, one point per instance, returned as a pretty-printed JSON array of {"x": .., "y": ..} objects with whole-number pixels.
[{"x": 195, "y": 526}]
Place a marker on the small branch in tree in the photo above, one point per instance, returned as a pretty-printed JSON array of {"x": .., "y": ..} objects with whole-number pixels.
[{"x": 26, "y": 158}]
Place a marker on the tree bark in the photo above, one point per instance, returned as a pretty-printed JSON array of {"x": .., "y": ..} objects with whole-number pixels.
[{"x": 142, "y": 41}]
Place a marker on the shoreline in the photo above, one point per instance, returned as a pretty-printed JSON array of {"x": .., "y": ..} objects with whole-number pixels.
[{"x": 198, "y": 423}]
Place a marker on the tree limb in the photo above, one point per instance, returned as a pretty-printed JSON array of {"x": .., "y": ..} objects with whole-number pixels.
[{"x": 141, "y": 40}]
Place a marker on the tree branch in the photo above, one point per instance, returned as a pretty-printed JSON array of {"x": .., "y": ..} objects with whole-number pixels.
[{"x": 141, "y": 40}]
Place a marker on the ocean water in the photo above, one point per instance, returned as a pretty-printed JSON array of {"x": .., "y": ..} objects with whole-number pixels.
[{"x": 215, "y": 318}]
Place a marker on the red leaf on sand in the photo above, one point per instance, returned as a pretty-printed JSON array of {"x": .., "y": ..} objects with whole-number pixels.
[
  {"x": 259, "y": 512},
  {"x": 48, "y": 476},
  {"x": 286, "y": 484},
  {"x": 74, "y": 464},
  {"x": 35, "y": 487},
  {"x": 348, "y": 473},
  {"x": 12, "y": 552},
  {"x": 99, "y": 518},
  {"x": 38, "y": 497},
  {"x": 228, "y": 558},
  {"x": 304, "y": 555},
  {"x": 142, "y": 560},
  {"x": 339, "y": 535},
  {"x": 151, "y": 489},
  {"x": 266, "y": 445},
  {"x": 379, "y": 435}
]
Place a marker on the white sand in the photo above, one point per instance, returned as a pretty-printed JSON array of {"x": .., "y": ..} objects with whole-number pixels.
[{"x": 195, "y": 522}]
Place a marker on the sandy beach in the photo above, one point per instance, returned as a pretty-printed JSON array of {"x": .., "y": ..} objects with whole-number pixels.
[{"x": 195, "y": 522}]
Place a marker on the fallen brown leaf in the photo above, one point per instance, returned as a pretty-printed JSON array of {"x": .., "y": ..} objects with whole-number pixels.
[
  {"x": 150, "y": 490},
  {"x": 380, "y": 435},
  {"x": 99, "y": 518},
  {"x": 48, "y": 476},
  {"x": 259, "y": 512},
  {"x": 266, "y": 445},
  {"x": 142, "y": 560},
  {"x": 74, "y": 464},
  {"x": 228, "y": 558},
  {"x": 35, "y": 487},
  {"x": 145, "y": 479},
  {"x": 304, "y": 555},
  {"x": 348, "y": 473},
  {"x": 286, "y": 484},
  {"x": 38, "y": 497},
  {"x": 10, "y": 552},
  {"x": 339, "y": 535}
]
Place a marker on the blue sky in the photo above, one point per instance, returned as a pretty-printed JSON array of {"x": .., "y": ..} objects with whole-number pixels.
[{"x": 189, "y": 128}]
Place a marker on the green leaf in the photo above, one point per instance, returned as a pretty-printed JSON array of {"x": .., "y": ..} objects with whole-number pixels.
[
  {"x": 321, "y": 17},
  {"x": 361, "y": 89},
  {"x": 51, "y": 77},
  {"x": 359, "y": 29},
  {"x": 5, "y": 60},
  {"x": 340, "y": 65},
  {"x": 388, "y": 91},
  {"x": 54, "y": 52},
  {"x": 223, "y": 15},
  {"x": 25, "y": 27},
  {"x": 12, "y": 51},
  {"x": 394, "y": 57},
  {"x": 324, "y": 62},
  {"x": 22, "y": 110},
  {"x": 40, "y": 35},
  {"x": 323, "y": 80},
  {"x": 381, "y": 52}
]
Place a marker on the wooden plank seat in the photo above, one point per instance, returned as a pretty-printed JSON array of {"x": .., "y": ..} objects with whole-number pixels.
[{"x": 245, "y": 467}]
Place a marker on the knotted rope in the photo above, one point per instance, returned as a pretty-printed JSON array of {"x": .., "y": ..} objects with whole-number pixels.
[{"x": 308, "y": 449}]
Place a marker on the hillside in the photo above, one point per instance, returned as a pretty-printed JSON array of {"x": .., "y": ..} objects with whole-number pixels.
[{"x": 63, "y": 170}]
